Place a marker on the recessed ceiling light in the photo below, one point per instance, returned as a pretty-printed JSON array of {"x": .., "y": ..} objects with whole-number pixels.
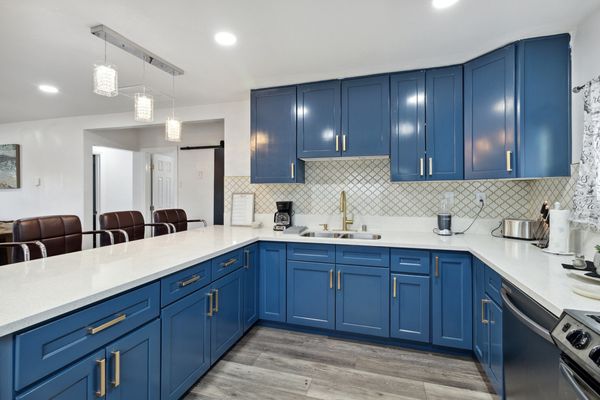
[
  {"x": 439, "y": 4},
  {"x": 225, "y": 38},
  {"x": 48, "y": 89}
]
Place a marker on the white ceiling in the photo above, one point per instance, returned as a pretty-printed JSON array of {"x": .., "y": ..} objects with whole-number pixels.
[{"x": 279, "y": 42}]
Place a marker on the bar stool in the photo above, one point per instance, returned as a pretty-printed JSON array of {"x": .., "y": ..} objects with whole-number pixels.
[
  {"x": 129, "y": 224},
  {"x": 175, "y": 217}
]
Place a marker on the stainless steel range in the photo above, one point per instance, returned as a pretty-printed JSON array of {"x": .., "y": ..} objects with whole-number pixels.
[{"x": 577, "y": 335}]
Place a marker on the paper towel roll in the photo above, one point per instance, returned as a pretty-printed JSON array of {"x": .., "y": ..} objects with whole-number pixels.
[{"x": 559, "y": 232}]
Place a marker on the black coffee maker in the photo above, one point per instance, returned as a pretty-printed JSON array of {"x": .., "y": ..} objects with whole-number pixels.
[{"x": 283, "y": 216}]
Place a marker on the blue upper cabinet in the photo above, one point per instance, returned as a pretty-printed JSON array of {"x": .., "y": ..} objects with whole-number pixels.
[
  {"x": 452, "y": 301},
  {"x": 489, "y": 115},
  {"x": 366, "y": 116},
  {"x": 444, "y": 123},
  {"x": 272, "y": 281},
  {"x": 319, "y": 120},
  {"x": 544, "y": 106},
  {"x": 273, "y": 137},
  {"x": 408, "y": 126}
]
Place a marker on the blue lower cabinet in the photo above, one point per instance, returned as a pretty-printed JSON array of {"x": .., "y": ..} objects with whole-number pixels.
[
  {"x": 310, "y": 294},
  {"x": 185, "y": 343},
  {"x": 496, "y": 366},
  {"x": 79, "y": 381},
  {"x": 362, "y": 300},
  {"x": 452, "y": 308},
  {"x": 250, "y": 286},
  {"x": 410, "y": 307},
  {"x": 480, "y": 329},
  {"x": 133, "y": 365},
  {"x": 226, "y": 325},
  {"x": 272, "y": 280}
]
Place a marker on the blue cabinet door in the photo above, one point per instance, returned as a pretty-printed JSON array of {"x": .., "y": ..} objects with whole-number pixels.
[
  {"x": 310, "y": 294},
  {"x": 133, "y": 368},
  {"x": 319, "y": 120},
  {"x": 273, "y": 137},
  {"x": 490, "y": 115},
  {"x": 544, "y": 106},
  {"x": 496, "y": 361},
  {"x": 366, "y": 116},
  {"x": 185, "y": 351},
  {"x": 272, "y": 280},
  {"x": 226, "y": 324},
  {"x": 480, "y": 328},
  {"x": 444, "y": 105},
  {"x": 452, "y": 297},
  {"x": 250, "y": 286},
  {"x": 362, "y": 300},
  {"x": 79, "y": 381},
  {"x": 408, "y": 126},
  {"x": 410, "y": 307}
]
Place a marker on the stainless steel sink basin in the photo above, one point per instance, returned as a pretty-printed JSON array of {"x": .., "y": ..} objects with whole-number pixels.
[
  {"x": 342, "y": 235},
  {"x": 361, "y": 235}
]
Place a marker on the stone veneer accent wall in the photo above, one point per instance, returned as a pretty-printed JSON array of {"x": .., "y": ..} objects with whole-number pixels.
[{"x": 370, "y": 192}]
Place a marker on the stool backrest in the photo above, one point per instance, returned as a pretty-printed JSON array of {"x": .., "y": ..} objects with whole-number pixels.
[
  {"x": 60, "y": 234},
  {"x": 175, "y": 216},
  {"x": 131, "y": 222}
]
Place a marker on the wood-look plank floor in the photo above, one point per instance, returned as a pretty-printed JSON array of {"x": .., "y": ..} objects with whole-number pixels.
[{"x": 278, "y": 364}]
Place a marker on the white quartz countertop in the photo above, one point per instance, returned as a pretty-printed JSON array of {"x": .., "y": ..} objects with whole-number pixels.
[{"x": 39, "y": 290}]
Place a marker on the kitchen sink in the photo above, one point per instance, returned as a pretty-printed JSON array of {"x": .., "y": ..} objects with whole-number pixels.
[{"x": 342, "y": 235}]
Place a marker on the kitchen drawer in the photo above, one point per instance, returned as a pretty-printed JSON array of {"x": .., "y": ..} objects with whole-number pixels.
[
  {"x": 227, "y": 263},
  {"x": 409, "y": 261},
  {"x": 492, "y": 283},
  {"x": 47, "y": 348},
  {"x": 179, "y": 285},
  {"x": 363, "y": 255},
  {"x": 311, "y": 252}
]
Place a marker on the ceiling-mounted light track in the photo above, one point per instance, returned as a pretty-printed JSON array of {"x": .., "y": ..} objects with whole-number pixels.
[{"x": 120, "y": 41}]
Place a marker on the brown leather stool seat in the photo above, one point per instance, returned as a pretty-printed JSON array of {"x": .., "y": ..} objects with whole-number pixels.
[
  {"x": 129, "y": 224},
  {"x": 176, "y": 217}
]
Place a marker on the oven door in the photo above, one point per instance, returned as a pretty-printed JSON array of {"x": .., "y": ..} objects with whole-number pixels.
[{"x": 576, "y": 384}]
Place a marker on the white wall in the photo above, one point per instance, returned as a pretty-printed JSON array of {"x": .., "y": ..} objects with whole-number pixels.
[
  {"x": 585, "y": 66},
  {"x": 57, "y": 152},
  {"x": 116, "y": 179}
]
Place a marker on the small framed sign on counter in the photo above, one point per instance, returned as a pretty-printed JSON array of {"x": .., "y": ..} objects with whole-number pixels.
[{"x": 242, "y": 209}]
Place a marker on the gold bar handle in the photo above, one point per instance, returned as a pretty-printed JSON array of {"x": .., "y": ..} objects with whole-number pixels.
[
  {"x": 102, "y": 367},
  {"x": 292, "y": 168},
  {"x": 216, "y": 300},
  {"x": 394, "y": 287},
  {"x": 117, "y": 369},
  {"x": 483, "y": 319},
  {"x": 430, "y": 166},
  {"x": 339, "y": 280},
  {"x": 437, "y": 266},
  {"x": 421, "y": 166},
  {"x": 194, "y": 278},
  {"x": 106, "y": 325},
  {"x": 210, "y": 304},
  {"x": 343, "y": 142},
  {"x": 229, "y": 262},
  {"x": 330, "y": 279},
  {"x": 337, "y": 142},
  {"x": 509, "y": 161}
]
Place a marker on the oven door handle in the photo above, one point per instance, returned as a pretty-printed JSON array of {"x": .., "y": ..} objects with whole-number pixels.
[
  {"x": 532, "y": 325},
  {"x": 569, "y": 375}
]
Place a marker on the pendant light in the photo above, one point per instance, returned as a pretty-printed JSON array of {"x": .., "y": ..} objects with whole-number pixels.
[
  {"x": 173, "y": 126},
  {"x": 143, "y": 103},
  {"x": 106, "y": 78}
]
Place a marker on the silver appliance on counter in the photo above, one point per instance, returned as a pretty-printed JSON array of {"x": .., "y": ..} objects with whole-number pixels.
[
  {"x": 525, "y": 229},
  {"x": 577, "y": 335}
]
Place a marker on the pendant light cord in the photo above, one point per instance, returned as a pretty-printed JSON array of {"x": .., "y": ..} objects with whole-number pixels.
[{"x": 173, "y": 94}]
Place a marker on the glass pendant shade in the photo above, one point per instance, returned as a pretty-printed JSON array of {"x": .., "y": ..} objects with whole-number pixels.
[
  {"x": 144, "y": 107},
  {"x": 173, "y": 130},
  {"x": 106, "y": 80}
]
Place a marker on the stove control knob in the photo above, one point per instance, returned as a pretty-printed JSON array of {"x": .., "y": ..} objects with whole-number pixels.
[
  {"x": 579, "y": 339},
  {"x": 595, "y": 355},
  {"x": 566, "y": 327}
]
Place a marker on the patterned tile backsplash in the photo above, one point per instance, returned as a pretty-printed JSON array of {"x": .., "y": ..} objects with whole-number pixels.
[{"x": 370, "y": 192}]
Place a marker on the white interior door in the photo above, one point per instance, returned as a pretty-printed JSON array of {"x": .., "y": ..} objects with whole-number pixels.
[
  {"x": 163, "y": 185},
  {"x": 196, "y": 183}
]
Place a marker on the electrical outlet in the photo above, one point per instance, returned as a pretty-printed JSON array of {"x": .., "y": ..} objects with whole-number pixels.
[{"x": 479, "y": 197}]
